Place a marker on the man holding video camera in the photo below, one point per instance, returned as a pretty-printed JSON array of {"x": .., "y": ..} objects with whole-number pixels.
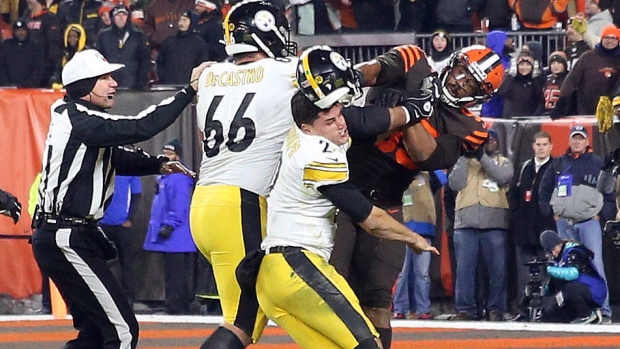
[{"x": 578, "y": 289}]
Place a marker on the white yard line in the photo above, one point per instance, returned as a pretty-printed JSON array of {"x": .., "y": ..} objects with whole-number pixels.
[{"x": 471, "y": 325}]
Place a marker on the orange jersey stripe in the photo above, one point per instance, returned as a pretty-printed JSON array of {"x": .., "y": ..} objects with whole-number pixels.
[
  {"x": 410, "y": 54},
  {"x": 429, "y": 128}
]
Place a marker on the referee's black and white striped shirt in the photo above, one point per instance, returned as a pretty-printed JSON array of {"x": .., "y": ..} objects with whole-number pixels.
[{"x": 83, "y": 153}]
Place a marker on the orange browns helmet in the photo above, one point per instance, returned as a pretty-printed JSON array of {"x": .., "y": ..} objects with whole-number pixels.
[{"x": 484, "y": 65}]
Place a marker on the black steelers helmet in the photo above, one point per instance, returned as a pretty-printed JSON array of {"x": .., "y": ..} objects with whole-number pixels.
[
  {"x": 257, "y": 26},
  {"x": 325, "y": 77}
]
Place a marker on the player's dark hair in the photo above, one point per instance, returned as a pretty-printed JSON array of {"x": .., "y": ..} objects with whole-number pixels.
[{"x": 304, "y": 111}]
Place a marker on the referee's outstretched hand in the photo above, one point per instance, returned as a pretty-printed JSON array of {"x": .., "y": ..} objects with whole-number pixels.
[{"x": 176, "y": 167}]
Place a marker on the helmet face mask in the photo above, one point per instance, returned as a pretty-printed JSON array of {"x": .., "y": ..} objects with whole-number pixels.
[
  {"x": 327, "y": 78},
  {"x": 482, "y": 65},
  {"x": 257, "y": 26}
]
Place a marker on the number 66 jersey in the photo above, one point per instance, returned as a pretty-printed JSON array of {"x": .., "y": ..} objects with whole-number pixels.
[{"x": 244, "y": 113}]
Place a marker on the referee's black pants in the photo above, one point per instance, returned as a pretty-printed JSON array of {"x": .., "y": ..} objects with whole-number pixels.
[{"x": 75, "y": 258}]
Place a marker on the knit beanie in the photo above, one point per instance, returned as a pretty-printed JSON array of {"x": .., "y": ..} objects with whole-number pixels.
[
  {"x": 560, "y": 57},
  {"x": 106, "y": 7},
  {"x": 174, "y": 145},
  {"x": 441, "y": 33},
  {"x": 549, "y": 240},
  {"x": 610, "y": 30},
  {"x": 526, "y": 56}
]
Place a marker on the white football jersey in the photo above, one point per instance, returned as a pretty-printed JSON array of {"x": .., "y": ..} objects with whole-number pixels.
[
  {"x": 298, "y": 214},
  {"x": 244, "y": 113}
]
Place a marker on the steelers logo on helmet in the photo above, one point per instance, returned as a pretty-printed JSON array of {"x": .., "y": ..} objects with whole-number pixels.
[
  {"x": 264, "y": 20},
  {"x": 326, "y": 78},
  {"x": 339, "y": 61},
  {"x": 257, "y": 26}
]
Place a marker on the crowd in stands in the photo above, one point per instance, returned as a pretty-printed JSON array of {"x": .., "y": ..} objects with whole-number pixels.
[{"x": 159, "y": 41}]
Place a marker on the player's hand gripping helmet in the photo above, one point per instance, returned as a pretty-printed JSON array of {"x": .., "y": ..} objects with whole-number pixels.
[
  {"x": 326, "y": 78},
  {"x": 472, "y": 75},
  {"x": 257, "y": 26}
]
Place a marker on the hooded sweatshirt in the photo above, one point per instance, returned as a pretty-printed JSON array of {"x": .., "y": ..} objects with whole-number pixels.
[
  {"x": 496, "y": 40},
  {"x": 180, "y": 53},
  {"x": 438, "y": 60},
  {"x": 126, "y": 46}
]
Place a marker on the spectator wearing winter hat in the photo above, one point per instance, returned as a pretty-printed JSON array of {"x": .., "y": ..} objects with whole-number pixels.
[
  {"x": 181, "y": 52},
  {"x": 558, "y": 70},
  {"x": 522, "y": 91},
  {"x": 595, "y": 74},
  {"x": 596, "y": 20},
  {"x": 162, "y": 17},
  {"x": 45, "y": 30},
  {"x": 104, "y": 14},
  {"x": 440, "y": 50},
  {"x": 122, "y": 43},
  {"x": 169, "y": 233},
  {"x": 577, "y": 289},
  {"x": 137, "y": 17},
  {"x": 209, "y": 27},
  {"x": 536, "y": 51},
  {"x": 22, "y": 61}
]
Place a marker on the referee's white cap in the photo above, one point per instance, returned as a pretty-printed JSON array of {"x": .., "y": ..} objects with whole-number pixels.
[{"x": 87, "y": 64}]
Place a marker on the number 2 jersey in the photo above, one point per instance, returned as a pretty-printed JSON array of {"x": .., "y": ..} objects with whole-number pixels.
[
  {"x": 244, "y": 112},
  {"x": 299, "y": 215}
]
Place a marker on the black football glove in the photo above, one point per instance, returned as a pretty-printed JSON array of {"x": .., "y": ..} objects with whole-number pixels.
[
  {"x": 10, "y": 206},
  {"x": 422, "y": 106},
  {"x": 432, "y": 85},
  {"x": 165, "y": 232},
  {"x": 419, "y": 108}
]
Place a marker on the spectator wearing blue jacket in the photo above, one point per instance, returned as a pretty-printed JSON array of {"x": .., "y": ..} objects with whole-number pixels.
[
  {"x": 169, "y": 233},
  {"x": 117, "y": 222},
  {"x": 503, "y": 45},
  {"x": 578, "y": 289}
]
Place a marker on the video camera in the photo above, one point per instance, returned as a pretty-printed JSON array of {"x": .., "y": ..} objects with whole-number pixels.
[{"x": 535, "y": 288}]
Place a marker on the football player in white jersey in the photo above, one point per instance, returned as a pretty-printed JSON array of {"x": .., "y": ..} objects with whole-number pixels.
[
  {"x": 244, "y": 111},
  {"x": 296, "y": 286}
]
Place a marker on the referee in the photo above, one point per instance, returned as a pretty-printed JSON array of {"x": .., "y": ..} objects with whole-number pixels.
[{"x": 82, "y": 155}]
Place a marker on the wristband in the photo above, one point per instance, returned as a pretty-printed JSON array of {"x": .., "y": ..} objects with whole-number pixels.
[{"x": 407, "y": 115}]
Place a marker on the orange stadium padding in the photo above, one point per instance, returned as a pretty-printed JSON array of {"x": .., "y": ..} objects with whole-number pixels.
[{"x": 25, "y": 119}]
